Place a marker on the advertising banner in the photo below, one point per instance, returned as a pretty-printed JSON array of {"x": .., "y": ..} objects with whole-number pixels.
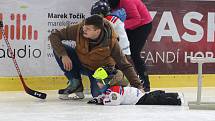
[
  {"x": 181, "y": 29},
  {"x": 27, "y": 25}
]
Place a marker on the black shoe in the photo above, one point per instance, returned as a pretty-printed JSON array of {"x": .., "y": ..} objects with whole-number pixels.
[
  {"x": 144, "y": 79},
  {"x": 146, "y": 89}
]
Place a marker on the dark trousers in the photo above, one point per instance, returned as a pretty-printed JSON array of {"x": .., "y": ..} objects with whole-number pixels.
[
  {"x": 77, "y": 70},
  {"x": 159, "y": 97},
  {"x": 137, "y": 39}
]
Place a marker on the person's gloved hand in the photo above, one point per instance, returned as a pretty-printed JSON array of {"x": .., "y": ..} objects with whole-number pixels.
[
  {"x": 93, "y": 101},
  {"x": 96, "y": 100}
]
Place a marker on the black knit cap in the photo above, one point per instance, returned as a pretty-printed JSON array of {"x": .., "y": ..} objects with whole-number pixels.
[{"x": 95, "y": 20}]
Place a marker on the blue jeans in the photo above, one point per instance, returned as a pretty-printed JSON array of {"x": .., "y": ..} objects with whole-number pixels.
[{"x": 77, "y": 70}]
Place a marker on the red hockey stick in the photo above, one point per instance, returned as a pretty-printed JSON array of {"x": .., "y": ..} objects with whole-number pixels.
[{"x": 27, "y": 89}]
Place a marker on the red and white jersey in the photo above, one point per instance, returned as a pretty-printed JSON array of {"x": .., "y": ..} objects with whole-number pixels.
[
  {"x": 118, "y": 26},
  {"x": 117, "y": 95}
]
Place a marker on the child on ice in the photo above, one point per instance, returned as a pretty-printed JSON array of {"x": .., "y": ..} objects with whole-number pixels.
[{"x": 119, "y": 95}]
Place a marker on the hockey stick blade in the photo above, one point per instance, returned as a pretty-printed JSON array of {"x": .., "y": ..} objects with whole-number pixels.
[
  {"x": 27, "y": 89},
  {"x": 35, "y": 93},
  {"x": 30, "y": 91}
]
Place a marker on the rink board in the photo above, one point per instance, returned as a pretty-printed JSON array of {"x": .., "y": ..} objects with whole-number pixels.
[{"x": 57, "y": 82}]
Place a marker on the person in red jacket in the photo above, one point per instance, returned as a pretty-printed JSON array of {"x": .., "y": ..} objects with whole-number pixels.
[{"x": 138, "y": 25}]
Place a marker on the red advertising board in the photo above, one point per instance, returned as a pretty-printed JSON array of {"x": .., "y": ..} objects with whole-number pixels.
[{"x": 181, "y": 29}]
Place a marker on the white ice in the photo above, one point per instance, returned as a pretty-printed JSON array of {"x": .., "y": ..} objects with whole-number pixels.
[{"x": 18, "y": 106}]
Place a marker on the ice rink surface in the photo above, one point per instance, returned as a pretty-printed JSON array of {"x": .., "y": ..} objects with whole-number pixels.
[{"x": 18, "y": 106}]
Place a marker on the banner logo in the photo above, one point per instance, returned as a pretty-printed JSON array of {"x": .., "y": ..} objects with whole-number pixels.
[{"x": 18, "y": 30}]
